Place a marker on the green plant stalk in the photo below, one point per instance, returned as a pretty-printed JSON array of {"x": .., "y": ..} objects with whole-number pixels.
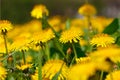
[
  {"x": 47, "y": 51},
  {"x": 40, "y": 64},
  {"x": 24, "y": 58},
  {"x": 101, "y": 75},
  {"x": 74, "y": 51},
  {"x": 5, "y": 43}
]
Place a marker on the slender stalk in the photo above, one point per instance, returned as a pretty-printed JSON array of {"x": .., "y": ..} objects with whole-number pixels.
[
  {"x": 5, "y": 43},
  {"x": 75, "y": 53},
  {"x": 47, "y": 51},
  {"x": 24, "y": 58},
  {"x": 101, "y": 75},
  {"x": 40, "y": 64}
]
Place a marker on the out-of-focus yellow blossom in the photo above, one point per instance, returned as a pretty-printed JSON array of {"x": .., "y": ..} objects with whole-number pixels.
[
  {"x": 83, "y": 59},
  {"x": 5, "y": 26},
  {"x": 77, "y": 23},
  {"x": 55, "y": 22},
  {"x": 83, "y": 42},
  {"x": 3, "y": 73},
  {"x": 81, "y": 71},
  {"x": 115, "y": 75},
  {"x": 23, "y": 66},
  {"x": 2, "y": 47},
  {"x": 28, "y": 59},
  {"x": 87, "y": 10},
  {"x": 107, "y": 53},
  {"x": 71, "y": 35},
  {"x": 20, "y": 43},
  {"x": 102, "y": 40},
  {"x": 43, "y": 36},
  {"x": 99, "y": 23},
  {"x": 39, "y": 10},
  {"x": 51, "y": 68}
]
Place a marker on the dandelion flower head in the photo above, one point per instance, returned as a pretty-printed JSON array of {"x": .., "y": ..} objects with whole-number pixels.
[
  {"x": 102, "y": 40},
  {"x": 113, "y": 76},
  {"x": 5, "y": 26},
  {"x": 3, "y": 73},
  {"x": 39, "y": 10},
  {"x": 71, "y": 35},
  {"x": 23, "y": 66},
  {"x": 51, "y": 68},
  {"x": 43, "y": 36},
  {"x": 87, "y": 10}
]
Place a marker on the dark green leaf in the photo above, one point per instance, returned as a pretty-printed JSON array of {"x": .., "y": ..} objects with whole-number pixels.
[{"x": 112, "y": 28}]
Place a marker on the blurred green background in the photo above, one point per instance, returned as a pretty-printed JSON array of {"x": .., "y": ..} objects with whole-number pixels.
[{"x": 18, "y": 11}]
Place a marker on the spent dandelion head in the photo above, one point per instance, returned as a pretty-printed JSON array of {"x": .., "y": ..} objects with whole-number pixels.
[
  {"x": 71, "y": 35},
  {"x": 5, "y": 26},
  {"x": 113, "y": 75},
  {"x": 39, "y": 10},
  {"x": 3, "y": 73},
  {"x": 87, "y": 10},
  {"x": 102, "y": 40}
]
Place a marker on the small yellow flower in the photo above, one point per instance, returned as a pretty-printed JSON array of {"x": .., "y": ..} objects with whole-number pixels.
[
  {"x": 102, "y": 40},
  {"x": 23, "y": 66},
  {"x": 3, "y": 73},
  {"x": 87, "y": 10},
  {"x": 51, "y": 68},
  {"x": 83, "y": 59},
  {"x": 43, "y": 36},
  {"x": 113, "y": 76},
  {"x": 38, "y": 11},
  {"x": 5, "y": 26},
  {"x": 71, "y": 35}
]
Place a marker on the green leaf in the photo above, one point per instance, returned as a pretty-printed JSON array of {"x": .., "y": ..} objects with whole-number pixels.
[
  {"x": 112, "y": 28},
  {"x": 58, "y": 73},
  {"x": 68, "y": 24}
]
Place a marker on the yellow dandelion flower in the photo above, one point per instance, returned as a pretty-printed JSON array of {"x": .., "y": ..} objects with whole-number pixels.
[
  {"x": 83, "y": 59},
  {"x": 87, "y": 10},
  {"x": 113, "y": 76},
  {"x": 3, "y": 73},
  {"x": 102, "y": 40},
  {"x": 5, "y": 26},
  {"x": 20, "y": 43},
  {"x": 55, "y": 22},
  {"x": 51, "y": 68},
  {"x": 23, "y": 66},
  {"x": 71, "y": 35},
  {"x": 81, "y": 71},
  {"x": 107, "y": 53},
  {"x": 43, "y": 36},
  {"x": 39, "y": 10}
]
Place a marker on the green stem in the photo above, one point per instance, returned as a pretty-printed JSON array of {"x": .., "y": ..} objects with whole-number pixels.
[
  {"x": 5, "y": 43},
  {"x": 47, "y": 51},
  {"x": 101, "y": 75},
  {"x": 59, "y": 47},
  {"x": 24, "y": 58},
  {"x": 74, "y": 51},
  {"x": 40, "y": 64}
]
